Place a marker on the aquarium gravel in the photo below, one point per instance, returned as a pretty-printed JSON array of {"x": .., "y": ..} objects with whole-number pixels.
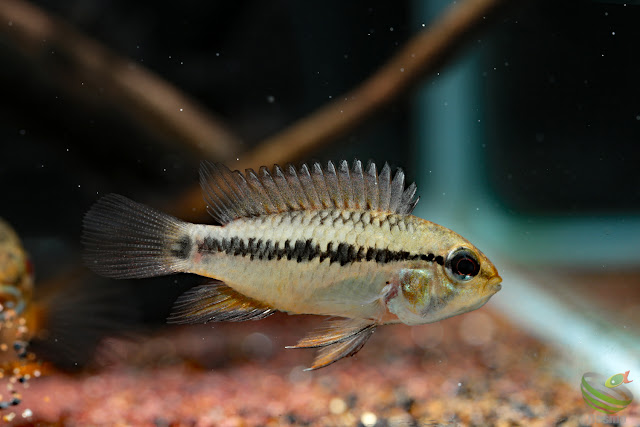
[{"x": 471, "y": 370}]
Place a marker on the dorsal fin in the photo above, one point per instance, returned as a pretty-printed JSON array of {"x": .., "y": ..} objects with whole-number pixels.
[{"x": 230, "y": 195}]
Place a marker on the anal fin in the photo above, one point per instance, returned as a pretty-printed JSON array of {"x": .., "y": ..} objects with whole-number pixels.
[
  {"x": 216, "y": 302},
  {"x": 338, "y": 338}
]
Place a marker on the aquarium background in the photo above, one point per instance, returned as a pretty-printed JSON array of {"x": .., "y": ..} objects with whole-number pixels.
[{"x": 527, "y": 141}]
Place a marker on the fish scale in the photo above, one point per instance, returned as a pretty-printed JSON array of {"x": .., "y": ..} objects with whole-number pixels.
[
  {"x": 331, "y": 240},
  {"x": 352, "y": 227}
]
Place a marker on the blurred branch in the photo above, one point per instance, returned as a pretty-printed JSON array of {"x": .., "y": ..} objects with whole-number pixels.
[
  {"x": 156, "y": 104},
  {"x": 168, "y": 112},
  {"x": 422, "y": 56}
]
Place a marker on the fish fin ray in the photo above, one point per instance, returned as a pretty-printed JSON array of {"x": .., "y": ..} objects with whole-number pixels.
[
  {"x": 306, "y": 181},
  {"x": 384, "y": 188},
  {"x": 126, "y": 239},
  {"x": 227, "y": 194},
  {"x": 371, "y": 187},
  {"x": 216, "y": 302},
  {"x": 333, "y": 186},
  {"x": 333, "y": 331},
  {"x": 288, "y": 196},
  {"x": 231, "y": 195},
  {"x": 358, "y": 184},
  {"x": 345, "y": 186},
  {"x": 260, "y": 192},
  {"x": 409, "y": 200},
  {"x": 272, "y": 189},
  {"x": 319, "y": 182},
  {"x": 295, "y": 185},
  {"x": 340, "y": 349},
  {"x": 396, "y": 191}
]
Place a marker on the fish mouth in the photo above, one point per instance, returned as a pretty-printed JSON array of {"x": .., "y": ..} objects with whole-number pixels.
[{"x": 494, "y": 284}]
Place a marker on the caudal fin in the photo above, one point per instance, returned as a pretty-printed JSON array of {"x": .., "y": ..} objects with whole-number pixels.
[
  {"x": 124, "y": 239},
  {"x": 73, "y": 315}
]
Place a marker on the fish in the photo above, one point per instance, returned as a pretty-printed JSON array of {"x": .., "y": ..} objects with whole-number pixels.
[
  {"x": 16, "y": 274},
  {"x": 16, "y": 314},
  {"x": 57, "y": 324},
  {"x": 329, "y": 240},
  {"x": 617, "y": 380},
  {"x": 16, "y": 293}
]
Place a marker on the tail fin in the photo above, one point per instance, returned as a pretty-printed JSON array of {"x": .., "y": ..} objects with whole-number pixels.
[
  {"x": 124, "y": 239},
  {"x": 73, "y": 315}
]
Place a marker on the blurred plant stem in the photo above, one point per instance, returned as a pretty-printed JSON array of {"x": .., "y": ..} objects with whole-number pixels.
[{"x": 89, "y": 69}]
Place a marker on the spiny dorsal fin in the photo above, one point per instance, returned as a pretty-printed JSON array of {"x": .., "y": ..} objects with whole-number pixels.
[
  {"x": 216, "y": 302},
  {"x": 337, "y": 338},
  {"x": 232, "y": 195}
]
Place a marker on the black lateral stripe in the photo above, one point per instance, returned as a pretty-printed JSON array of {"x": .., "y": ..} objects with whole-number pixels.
[
  {"x": 183, "y": 249},
  {"x": 307, "y": 250}
]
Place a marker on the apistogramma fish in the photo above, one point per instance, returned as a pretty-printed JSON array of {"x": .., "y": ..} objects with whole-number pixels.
[{"x": 329, "y": 241}]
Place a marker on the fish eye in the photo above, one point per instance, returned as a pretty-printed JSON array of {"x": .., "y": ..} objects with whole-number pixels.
[{"x": 462, "y": 264}]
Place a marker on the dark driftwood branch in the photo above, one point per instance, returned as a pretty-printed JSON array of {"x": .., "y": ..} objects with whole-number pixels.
[
  {"x": 155, "y": 104},
  {"x": 421, "y": 57}
]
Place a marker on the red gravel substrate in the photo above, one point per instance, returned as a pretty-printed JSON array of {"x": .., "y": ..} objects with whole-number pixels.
[{"x": 470, "y": 370}]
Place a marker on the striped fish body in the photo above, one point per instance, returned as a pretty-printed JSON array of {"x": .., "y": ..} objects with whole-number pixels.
[
  {"x": 331, "y": 262},
  {"x": 328, "y": 241}
]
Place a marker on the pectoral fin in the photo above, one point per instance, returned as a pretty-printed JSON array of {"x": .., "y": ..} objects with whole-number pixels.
[
  {"x": 338, "y": 339},
  {"x": 216, "y": 302}
]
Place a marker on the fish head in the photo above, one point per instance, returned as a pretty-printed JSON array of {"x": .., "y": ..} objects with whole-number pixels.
[{"x": 461, "y": 281}]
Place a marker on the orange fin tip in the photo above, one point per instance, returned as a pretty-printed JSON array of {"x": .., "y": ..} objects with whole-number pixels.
[{"x": 338, "y": 338}]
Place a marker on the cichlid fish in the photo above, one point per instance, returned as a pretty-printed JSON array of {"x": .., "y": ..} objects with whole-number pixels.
[
  {"x": 328, "y": 241},
  {"x": 60, "y": 322},
  {"x": 16, "y": 274},
  {"x": 16, "y": 315}
]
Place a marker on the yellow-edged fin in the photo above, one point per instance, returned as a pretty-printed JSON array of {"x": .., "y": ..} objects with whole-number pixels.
[
  {"x": 348, "y": 347},
  {"x": 332, "y": 332},
  {"x": 216, "y": 302},
  {"x": 232, "y": 194}
]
